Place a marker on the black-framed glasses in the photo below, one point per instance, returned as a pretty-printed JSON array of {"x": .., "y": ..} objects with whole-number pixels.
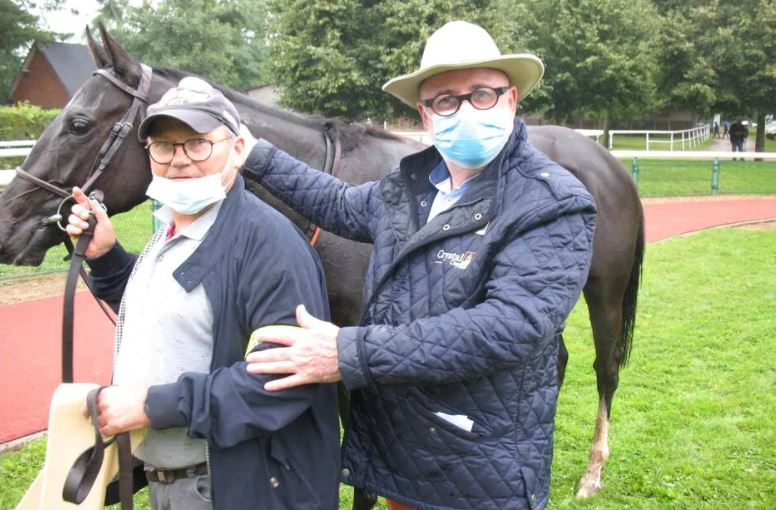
[
  {"x": 196, "y": 149},
  {"x": 482, "y": 98}
]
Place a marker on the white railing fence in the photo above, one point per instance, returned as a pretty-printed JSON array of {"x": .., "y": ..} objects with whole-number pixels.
[
  {"x": 681, "y": 139},
  {"x": 13, "y": 149},
  {"x": 423, "y": 136}
]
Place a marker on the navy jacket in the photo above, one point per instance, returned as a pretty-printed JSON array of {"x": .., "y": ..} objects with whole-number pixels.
[
  {"x": 461, "y": 322},
  {"x": 267, "y": 450}
]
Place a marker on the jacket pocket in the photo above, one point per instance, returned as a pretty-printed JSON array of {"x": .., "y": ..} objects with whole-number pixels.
[
  {"x": 286, "y": 482},
  {"x": 428, "y": 407}
]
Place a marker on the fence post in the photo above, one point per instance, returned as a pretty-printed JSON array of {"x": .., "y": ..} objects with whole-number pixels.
[
  {"x": 715, "y": 176},
  {"x": 155, "y": 206},
  {"x": 635, "y": 171}
]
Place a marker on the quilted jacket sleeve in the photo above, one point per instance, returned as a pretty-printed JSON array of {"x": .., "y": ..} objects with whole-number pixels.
[
  {"x": 535, "y": 280},
  {"x": 327, "y": 201}
]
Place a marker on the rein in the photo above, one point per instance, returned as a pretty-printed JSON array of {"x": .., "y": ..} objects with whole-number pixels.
[{"x": 83, "y": 473}]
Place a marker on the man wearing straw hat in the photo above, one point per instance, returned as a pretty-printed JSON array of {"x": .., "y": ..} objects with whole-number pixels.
[{"x": 481, "y": 248}]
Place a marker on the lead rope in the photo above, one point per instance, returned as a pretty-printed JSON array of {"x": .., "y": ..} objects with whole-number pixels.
[{"x": 82, "y": 474}]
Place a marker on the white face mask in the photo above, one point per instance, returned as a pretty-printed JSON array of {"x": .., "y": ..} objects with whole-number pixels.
[{"x": 189, "y": 196}]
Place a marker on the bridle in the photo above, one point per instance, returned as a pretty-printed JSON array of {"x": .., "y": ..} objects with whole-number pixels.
[{"x": 118, "y": 133}]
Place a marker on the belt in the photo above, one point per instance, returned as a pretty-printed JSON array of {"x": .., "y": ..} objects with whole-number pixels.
[{"x": 167, "y": 476}]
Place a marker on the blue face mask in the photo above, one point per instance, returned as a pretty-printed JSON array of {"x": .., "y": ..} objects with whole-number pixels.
[{"x": 472, "y": 138}]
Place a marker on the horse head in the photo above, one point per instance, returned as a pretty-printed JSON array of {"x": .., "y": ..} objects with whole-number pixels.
[{"x": 65, "y": 156}]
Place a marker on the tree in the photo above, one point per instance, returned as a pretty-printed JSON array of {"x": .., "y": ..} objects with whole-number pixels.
[
  {"x": 220, "y": 40},
  {"x": 685, "y": 78},
  {"x": 721, "y": 57},
  {"x": 599, "y": 56},
  {"x": 18, "y": 30},
  {"x": 331, "y": 57},
  {"x": 740, "y": 41}
]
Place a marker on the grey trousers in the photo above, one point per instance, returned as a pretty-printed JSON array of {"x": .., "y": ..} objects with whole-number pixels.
[{"x": 183, "y": 494}]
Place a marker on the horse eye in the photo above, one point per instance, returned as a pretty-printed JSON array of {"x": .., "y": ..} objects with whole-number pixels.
[{"x": 79, "y": 126}]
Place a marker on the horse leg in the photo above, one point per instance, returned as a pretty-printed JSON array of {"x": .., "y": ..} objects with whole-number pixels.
[
  {"x": 606, "y": 319},
  {"x": 363, "y": 499},
  {"x": 563, "y": 360}
]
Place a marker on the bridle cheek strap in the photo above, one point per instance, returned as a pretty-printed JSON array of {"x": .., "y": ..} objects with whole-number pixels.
[
  {"x": 118, "y": 133},
  {"x": 121, "y": 129}
]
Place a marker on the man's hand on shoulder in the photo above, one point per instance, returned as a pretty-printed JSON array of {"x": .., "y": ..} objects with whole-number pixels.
[{"x": 308, "y": 353}]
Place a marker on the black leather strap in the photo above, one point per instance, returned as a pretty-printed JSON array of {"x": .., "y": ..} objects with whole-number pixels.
[
  {"x": 125, "y": 470},
  {"x": 82, "y": 475},
  {"x": 76, "y": 266},
  {"x": 86, "y": 467}
]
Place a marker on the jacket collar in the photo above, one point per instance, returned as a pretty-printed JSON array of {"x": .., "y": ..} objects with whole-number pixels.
[
  {"x": 412, "y": 180},
  {"x": 210, "y": 251}
]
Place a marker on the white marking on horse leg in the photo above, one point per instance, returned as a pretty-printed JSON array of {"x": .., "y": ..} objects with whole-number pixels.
[{"x": 599, "y": 453}]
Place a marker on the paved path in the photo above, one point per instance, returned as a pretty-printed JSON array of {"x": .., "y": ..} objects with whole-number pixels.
[
  {"x": 667, "y": 218},
  {"x": 30, "y": 331},
  {"x": 723, "y": 144}
]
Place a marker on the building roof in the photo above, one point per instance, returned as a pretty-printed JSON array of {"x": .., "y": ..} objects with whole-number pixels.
[{"x": 72, "y": 63}]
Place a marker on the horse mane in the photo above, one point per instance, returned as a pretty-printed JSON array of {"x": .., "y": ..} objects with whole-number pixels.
[{"x": 350, "y": 134}]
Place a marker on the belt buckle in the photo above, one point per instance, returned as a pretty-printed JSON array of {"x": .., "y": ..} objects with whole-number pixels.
[{"x": 162, "y": 476}]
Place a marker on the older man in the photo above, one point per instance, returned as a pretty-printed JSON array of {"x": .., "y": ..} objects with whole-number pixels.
[
  {"x": 481, "y": 248},
  {"x": 223, "y": 265}
]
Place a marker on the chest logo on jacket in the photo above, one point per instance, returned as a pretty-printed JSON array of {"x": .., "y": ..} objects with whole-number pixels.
[{"x": 459, "y": 260}]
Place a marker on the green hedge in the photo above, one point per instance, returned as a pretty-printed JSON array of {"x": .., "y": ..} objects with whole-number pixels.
[{"x": 24, "y": 121}]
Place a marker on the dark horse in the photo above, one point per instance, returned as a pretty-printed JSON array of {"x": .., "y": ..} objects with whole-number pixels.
[{"x": 64, "y": 153}]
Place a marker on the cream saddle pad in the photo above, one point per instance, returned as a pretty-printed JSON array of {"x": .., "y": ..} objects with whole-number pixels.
[{"x": 70, "y": 434}]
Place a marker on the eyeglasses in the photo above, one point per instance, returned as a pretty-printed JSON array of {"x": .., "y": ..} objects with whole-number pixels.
[
  {"x": 482, "y": 98},
  {"x": 197, "y": 149}
]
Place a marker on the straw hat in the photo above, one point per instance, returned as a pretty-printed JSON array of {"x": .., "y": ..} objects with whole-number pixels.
[{"x": 463, "y": 45}]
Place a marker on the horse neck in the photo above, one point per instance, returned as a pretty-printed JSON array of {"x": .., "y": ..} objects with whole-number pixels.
[{"x": 299, "y": 136}]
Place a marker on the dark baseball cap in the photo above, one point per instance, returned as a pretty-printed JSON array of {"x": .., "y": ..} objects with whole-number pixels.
[{"x": 195, "y": 103}]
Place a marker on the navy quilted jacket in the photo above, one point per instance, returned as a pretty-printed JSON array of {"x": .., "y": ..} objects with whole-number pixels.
[{"x": 453, "y": 369}]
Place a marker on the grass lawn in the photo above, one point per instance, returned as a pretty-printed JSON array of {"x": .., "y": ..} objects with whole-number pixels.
[
  {"x": 133, "y": 229},
  {"x": 693, "y": 423},
  {"x": 682, "y": 178}
]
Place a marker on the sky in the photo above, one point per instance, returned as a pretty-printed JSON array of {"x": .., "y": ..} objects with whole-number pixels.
[{"x": 71, "y": 18}]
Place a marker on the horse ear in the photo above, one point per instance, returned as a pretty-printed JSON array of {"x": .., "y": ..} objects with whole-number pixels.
[
  {"x": 99, "y": 56},
  {"x": 123, "y": 65}
]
